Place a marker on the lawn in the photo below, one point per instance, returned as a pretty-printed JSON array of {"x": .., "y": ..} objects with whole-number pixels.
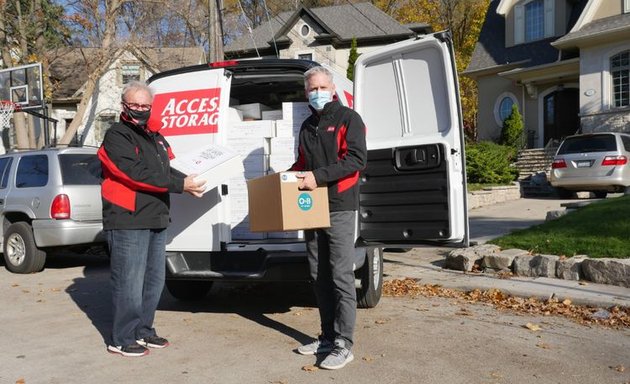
[{"x": 601, "y": 229}]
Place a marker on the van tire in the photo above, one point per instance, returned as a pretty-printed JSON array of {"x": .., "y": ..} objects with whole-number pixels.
[
  {"x": 21, "y": 254},
  {"x": 188, "y": 289},
  {"x": 371, "y": 277},
  {"x": 600, "y": 194}
]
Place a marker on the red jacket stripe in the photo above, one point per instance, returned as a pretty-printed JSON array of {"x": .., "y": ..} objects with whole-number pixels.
[
  {"x": 122, "y": 178},
  {"x": 349, "y": 181}
]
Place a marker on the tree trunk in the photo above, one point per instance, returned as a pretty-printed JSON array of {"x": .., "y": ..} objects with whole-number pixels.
[
  {"x": 21, "y": 133},
  {"x": 104, "y": 60}
]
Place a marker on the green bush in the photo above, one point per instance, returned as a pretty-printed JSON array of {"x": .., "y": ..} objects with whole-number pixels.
[
  {"x": 490, "y": 163},
  {"x": 512, "y": 132}
]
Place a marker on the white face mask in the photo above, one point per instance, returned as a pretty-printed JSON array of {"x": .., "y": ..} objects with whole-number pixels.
[{"x": 317, "y": 99}]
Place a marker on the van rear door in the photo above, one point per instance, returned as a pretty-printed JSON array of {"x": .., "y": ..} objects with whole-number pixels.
[
  {"x": 413, "y": 190},
  {"x": 190, "y": 108}
]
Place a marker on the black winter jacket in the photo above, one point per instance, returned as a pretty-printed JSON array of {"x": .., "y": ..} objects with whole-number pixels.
[
  {"x": 332, "y": 145},
  {"x": 137, "y": 178}
]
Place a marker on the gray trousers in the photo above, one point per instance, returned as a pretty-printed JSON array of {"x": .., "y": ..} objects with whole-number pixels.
[{"x": 331, "y": 259}]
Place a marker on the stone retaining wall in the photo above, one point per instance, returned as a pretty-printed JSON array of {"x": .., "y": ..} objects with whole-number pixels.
[{"x": 493, "y": 195}]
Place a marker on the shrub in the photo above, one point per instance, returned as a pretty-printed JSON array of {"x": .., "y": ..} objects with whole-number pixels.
[
  {"x": 512, "y": 132},
  {"x": 490, "y": 163}
]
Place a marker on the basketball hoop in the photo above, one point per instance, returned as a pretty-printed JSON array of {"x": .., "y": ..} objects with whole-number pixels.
[{"x": 6, "y": 109}]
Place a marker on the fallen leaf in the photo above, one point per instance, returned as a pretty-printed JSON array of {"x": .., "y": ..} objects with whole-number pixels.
[
  {"x": 26, "y": 291},
  {"x": 566, "y": 302},
  {"x": 619, "y": 368},
  {"x": 15, "y": 285},
  {"x": 55, "y": 289},
  {"x": 381, "y": 321},
  {"x": 297, "y": 314},
  {"x": 309, "y": 368},
  {"x": 582, "y": 283},
  {"x": 532, "y": 327},
  {"x": 20, "y": 381},
  {"x": 368, "y": 358},
  {"x": 543, "y": 345}
]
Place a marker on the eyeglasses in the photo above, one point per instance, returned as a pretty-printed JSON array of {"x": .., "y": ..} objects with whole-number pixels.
[{"x": 137, "y": 107}]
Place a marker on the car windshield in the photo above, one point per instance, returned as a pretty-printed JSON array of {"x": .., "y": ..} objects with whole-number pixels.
[
  {"x": 80, "y": 169},
  {"x": 596, "y": 143}
]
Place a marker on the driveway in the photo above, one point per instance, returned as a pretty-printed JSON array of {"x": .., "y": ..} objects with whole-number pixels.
[{"x": 54, "y": 325}]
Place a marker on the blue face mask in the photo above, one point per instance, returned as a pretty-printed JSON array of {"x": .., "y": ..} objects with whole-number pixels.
[{"x": 317, "y": 99}]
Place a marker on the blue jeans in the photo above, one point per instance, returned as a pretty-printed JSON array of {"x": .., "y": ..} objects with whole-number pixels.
[{"x": 137, "y": 259}]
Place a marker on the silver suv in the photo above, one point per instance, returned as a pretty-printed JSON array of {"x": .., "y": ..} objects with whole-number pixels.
[
  {"x": 48, "y": 198},
  {"x": 594, "y": 162}
]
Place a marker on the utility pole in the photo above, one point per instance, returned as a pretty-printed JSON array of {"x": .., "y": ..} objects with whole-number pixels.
[{"x": 215, "y": 31}]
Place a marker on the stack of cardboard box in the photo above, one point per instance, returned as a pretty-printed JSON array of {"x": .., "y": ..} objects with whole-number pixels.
[{"x": 266, "y": 139}]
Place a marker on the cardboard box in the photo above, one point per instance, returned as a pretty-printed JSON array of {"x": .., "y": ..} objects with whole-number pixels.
[
  {"x": 255, "y": 128},
  {"x": 284, "y": 146},
  {"x": 246, "y": 146},
  {"x": 275, "y": 114},
  {"x": 296, "y": 111},
  {"x": 288, "y": 128},
  {"x": 253, "y": 110},
  {"x": 276, "y": 204},
  {"x": 212, "y": 163}
]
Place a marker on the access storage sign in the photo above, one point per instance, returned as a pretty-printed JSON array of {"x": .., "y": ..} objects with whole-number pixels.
[{"x": 186, "y": 112}]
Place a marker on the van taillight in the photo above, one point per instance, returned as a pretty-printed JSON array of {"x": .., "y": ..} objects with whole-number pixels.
[
  {"x": 558, "y": 163},
  {"x": 222, "y": 64},
  {"x": 615, "y": 160},
  {"x": 60, "y": 208}
]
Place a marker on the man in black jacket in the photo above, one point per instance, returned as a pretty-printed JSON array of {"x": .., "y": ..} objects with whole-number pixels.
[
  {"x": 135, "y": 193},
  {"x": 332, "y": 151}
]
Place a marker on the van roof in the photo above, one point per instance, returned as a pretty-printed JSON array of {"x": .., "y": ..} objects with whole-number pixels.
[{"x": 268, "y": 65}]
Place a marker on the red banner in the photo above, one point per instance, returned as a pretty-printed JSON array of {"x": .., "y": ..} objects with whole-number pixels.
[{"x": 186, "y": 113}]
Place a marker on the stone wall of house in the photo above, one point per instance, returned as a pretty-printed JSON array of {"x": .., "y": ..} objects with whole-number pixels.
[
  {"x": 493, "y": 195},
  {"x": 618, "y": 121}
]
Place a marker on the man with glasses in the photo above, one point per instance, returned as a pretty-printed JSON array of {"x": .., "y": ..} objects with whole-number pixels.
[{"x": 135, "y": 193}]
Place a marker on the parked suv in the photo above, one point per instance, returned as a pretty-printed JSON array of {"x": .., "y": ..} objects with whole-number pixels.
[
  {"x": 594, "y": 162},
  {"x": 48, "y": 198}
]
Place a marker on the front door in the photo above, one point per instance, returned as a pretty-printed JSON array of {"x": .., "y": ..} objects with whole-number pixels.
[
  {"x": 561, "y": 109},
  {"x": 413, "y": 190}
]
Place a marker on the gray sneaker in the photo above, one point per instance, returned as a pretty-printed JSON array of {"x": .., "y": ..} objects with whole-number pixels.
[
  {"x": 316, "y": 347},
  {"x": 337, "y": 359}
]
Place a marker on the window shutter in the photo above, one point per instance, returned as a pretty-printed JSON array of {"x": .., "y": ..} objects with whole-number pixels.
[
  {"x": 519, "y": 24},
  {"x": 549, "y": 18}
]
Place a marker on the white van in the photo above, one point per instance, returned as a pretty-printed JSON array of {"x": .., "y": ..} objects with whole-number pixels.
[{"x": 413, "y": 190}]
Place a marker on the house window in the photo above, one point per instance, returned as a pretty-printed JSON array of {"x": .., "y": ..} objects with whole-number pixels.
[
  {"x": 626, "y": 6},
  {"x": 305, "y": 30},
  {"x": 620, "y": 73},
  {"x": 503, "y": 107},
  {"x": 533, "y": 20},
  {"x": 102, "y": 124},
  {"x": 305, "y": 56},
  {"x": 130, "y": 72}
]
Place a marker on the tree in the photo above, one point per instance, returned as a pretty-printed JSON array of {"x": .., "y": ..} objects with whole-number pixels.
[
  {"x": 464, "y": 19},
  {"x": 352, "y": 58},
  {"x": 512, "y": 131}
]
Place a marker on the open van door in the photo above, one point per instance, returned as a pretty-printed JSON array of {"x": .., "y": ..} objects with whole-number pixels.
[
  {"x": 190, "y": 108},
  {"x": 413, "y": 190}
]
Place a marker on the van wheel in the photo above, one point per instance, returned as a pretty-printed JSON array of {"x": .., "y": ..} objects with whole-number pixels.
[
  {"x": 21, "y": 254},
  {"x": 371, "y": 277},
  {"x": 188, "y": 289}
]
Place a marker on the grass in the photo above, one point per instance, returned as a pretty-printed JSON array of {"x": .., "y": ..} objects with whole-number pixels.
[{"x": 599, "y": 229}]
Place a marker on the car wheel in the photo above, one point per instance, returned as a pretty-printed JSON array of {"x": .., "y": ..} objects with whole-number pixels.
[
  {"x": 371, "y": 277},
  {"x": 600, "y": 194},
  {"x": 565, "y": 193},
  {"x": 21, "y": 254},
  {"x": 188, "y": 289}
]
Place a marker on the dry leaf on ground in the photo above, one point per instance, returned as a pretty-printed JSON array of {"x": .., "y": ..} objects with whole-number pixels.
[
  {"x": 532, "y": 327},
  {"x": 619, "y": 316},
  {"x": 309, "y": 368}
]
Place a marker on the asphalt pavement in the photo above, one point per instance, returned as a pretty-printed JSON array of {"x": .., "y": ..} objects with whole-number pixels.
[{"x": 489, "y": 222}]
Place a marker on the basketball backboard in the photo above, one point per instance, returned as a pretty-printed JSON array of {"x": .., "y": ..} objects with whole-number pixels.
[{"x": 23, "y": 86}]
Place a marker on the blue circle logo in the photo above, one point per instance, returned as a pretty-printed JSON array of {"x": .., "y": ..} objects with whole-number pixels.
[{"x": 305, "y": 201}]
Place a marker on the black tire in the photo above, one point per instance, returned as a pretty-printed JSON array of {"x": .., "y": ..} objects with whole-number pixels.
[
  {"x": 188, "y": 289},
  {"x": 21, "y": 254},
  {"x": 565, "y": 193},
  {"x": 600, "y": 194},
  {"x": 371, "y": 277}
]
